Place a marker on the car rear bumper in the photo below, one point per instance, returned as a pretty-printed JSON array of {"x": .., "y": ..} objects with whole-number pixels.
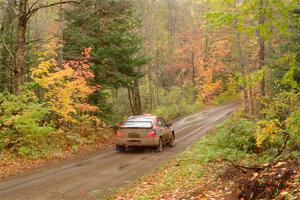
[{"x": 138, "y": 142}]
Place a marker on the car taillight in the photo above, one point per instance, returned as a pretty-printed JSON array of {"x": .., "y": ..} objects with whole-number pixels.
[
  {"x": 119, "y": 134},
  {"x": 152, "y": 134}
]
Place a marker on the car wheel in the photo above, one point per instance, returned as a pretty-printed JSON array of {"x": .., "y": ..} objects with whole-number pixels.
[
  {"x": 172, "y": 140},
  {"x": 120, "y": 148},
  {"x": 159, "y": 147}
]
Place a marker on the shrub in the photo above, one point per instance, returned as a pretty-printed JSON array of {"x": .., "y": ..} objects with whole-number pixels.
[
  {"x": 22, "y": 123},
  {"x": 281, "y": 124},
  {"x": 229, "y": 93},
  {"x": 231, "y": 140},
  {"x": 175, "y": 110},
  {"x": 293, "y": 128},
  {"x": 176, "y": 102},
  {"x": 280, "y": 105}
]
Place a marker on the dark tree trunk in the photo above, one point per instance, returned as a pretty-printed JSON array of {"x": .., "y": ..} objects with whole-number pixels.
[
  {"x": 150, "y": 86},
  {"x": 205, "y": 61},
  {"x": 61, "y": 33},
  {"x": 171, "y": 31},
  {"x": 20, "y": 49},
  {"x": 135, "y": 99},
  {"x": 157, "y": 67},
  {"x": 241, "y": 60},
  {"x": 24, "y": 15},
  {"x": 261, "y": 42},
  {"x": 194, "y": 75},
  {"x": 7, "y": 58},
  {"x": 251, "y": 97}
]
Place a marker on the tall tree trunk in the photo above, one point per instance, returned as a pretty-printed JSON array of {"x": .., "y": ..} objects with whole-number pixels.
[
  {"x": 157, "y": 67},
  {"x": 252, "y": 104},
  {"x": 194, "y": 75},
  {"x": 171, "y": 31},
  {"x": 251, "y": 97},
  {"x": 131, "y": 101},
  {"x": 135, "y": 98},
  {"x": 24, "y": 15},
  {"x": 150, "y": 86},
  {"x": 7, "y": 58},
  {"x": 205, "y": 61},
  {"x": 261, "y": 42},
  {"x": 20, "y": 49},
  {"x": 241, "y": 60},
  {"x": 61, "y": 33}
]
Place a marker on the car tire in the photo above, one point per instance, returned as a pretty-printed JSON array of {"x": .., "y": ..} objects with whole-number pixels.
[
  {"x": 159, "y": 147},
  {"x": 120, "y": 148},
  {"x": 172, "y": 140}
]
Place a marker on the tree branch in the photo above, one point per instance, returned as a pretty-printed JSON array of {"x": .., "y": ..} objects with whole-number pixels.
[
  {"x": 6, "y": 65},
  {"x": 283, "y": 146},
  {"x": 92, "y": 59},
  {"x": 11, "y": 7},
  {"x": 32, "y": 5},
  {"x": 244, "y": 168},
  {"x": 33, "y": 10},
  {"x": 7, "y": 49},
  {"x": 33, "y": 41}
]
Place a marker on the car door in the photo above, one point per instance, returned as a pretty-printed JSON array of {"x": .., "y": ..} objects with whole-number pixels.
[
  {"x": 167, "y": 130},
  {"x": 164, "y": 131},
  {"x": 159, "y": 127}
]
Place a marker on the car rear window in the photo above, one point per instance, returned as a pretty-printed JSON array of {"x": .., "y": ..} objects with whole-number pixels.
[{"x": 137, "y": 124}]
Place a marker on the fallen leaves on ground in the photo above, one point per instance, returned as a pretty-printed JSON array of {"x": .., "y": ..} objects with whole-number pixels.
[
  {"x": 219, "y": 182},
  {"x": 278, "y": 182}
]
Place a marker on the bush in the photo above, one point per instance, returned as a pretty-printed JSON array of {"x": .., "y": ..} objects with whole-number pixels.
[
  {"x": 293, "y": 128},
  {"x": 229, "y": 93},
  {"x": 174, "y": 111},
  {"x": 231, "y": 140},
  {"x": 280, "y": 105},
  {"x": 176, "y": 102},
  {"x": 281, "y": 123},
  {"x": 22, "y": 123}
]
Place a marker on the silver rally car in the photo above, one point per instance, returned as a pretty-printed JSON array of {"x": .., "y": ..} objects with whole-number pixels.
[{"x": 144, "y": 131}]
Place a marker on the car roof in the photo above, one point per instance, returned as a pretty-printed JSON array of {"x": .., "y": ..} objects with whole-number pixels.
[{"x": 145, "y": 117}]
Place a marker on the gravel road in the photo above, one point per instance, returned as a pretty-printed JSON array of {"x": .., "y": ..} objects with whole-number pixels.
[{"x": 98, "y": 175}]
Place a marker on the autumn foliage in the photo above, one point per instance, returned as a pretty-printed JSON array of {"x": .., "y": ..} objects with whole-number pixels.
[
  {"x": 65, "y": 87},
  {"x": 201, "y": 64}
]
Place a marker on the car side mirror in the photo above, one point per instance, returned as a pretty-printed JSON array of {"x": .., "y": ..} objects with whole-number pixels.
[{"x": 120, "y": 124}]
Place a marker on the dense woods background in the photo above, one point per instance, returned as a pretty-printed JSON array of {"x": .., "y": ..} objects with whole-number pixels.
[{"x": 70, "y": 68}]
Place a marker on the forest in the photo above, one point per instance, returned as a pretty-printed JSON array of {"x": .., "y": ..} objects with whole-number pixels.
[{"x": 70, "y": 70}]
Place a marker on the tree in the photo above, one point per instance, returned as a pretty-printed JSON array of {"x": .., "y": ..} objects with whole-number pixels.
[
  {"x": 261, "y": 42},
  {"x": 110, "y": 28},
  {"x": 25, "y": 12},
  {"x": 65, "y": 87},
  {"x": 8, "y": 41}
]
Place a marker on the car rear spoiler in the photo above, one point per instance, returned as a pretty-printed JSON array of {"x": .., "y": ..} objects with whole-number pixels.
[{"x": 122, "y": 123}]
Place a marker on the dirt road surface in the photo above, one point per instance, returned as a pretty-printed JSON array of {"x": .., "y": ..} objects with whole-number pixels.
[{"x": 98, "y": 175}]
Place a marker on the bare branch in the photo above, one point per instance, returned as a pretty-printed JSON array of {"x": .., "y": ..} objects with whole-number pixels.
[
  {"x": 31, "y": 11},
  {"x": 244, "y": 168},
  {"x": 33, "y": 41},
  {"x": 32, "y": 5},
  {"x": 6, "y": 47},
  {"x": 92, "y": 59},
  {"x": 11, "y": 7},
  {"x": 6, "y": 65}
]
